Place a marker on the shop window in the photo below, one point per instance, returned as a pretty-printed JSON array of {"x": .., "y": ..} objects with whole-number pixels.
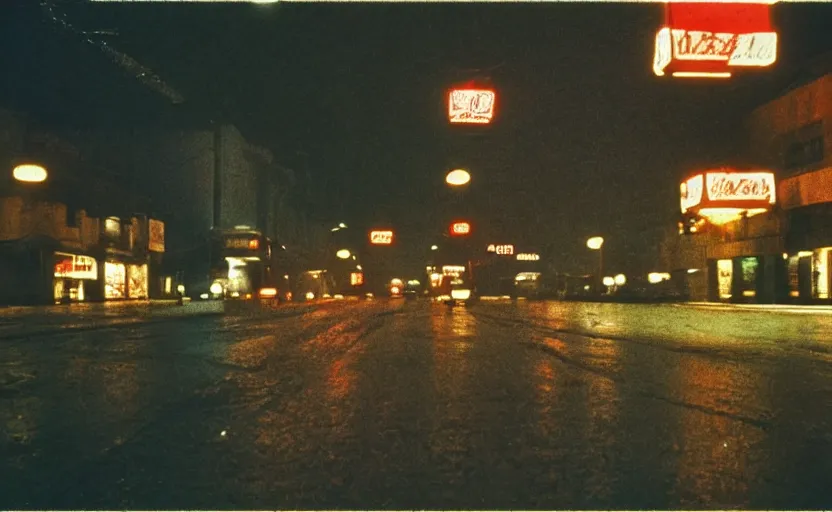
[
  {"x": 820, "y": 273},
  {"x": 794, "y": 276},
  {"x": 749, "y": 276},
  {"x": 137, "y": 281},
  {"x": 112, "y": 228},
  {"x": 725, "y": 271},
  {"x": 114, "y": 280}
]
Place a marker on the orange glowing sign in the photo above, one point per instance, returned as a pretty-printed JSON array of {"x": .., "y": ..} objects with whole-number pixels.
[
  {"x": 709, "y": 39},
  {"x": 460, "y": 228},
  {"x": 472, "y": 106},
  {"x": 381, "y": 237},
  {"x": 356, "y": 278},
  {"x": 725, "y": 194}
]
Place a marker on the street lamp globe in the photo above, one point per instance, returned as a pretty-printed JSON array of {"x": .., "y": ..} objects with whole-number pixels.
[
  {"x": 30, "y": 173},
  {"x": 434, "y": 247},
  {"x": 595, "y": 243},
  {"x": 608, "y": 281},
  {"x": 620, "y": 280},
  {"x": 457, "y": 177},
  {"x": 343, "y": 254}
]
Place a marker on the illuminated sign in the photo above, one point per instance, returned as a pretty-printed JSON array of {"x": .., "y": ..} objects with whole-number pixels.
[
  {"x": 473, "y": 106},
  {"x": 722, "y": 196},
  {"x": 529, "y": 256},
  {"x": 453, "y": 270},
  {"x": 460, "y": 228},
  {"x": 691, "y": 191},
  {"x": 757, "y": 186},
  {"x": 74, "y": 266},
  {"x": 242, "y": 243},
  {"x": 356, "y": 278},
  {"x": 709, "y": 39},
  {"x": 381, "y": 237},
  {"x": 156, "y": 236},
  {"x": 502, "y": 250}
]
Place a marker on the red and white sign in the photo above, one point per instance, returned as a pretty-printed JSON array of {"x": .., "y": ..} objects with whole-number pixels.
[
  {"x": 75, "y": 266},
  {"x": 356, "y": 278},
  {"x": 710, "y": 39},
  {"x": 728, "y": 189},
  {"x": 460, "y": 228},
  {"x": 473, "y": 106},
  {"x": 740, "y": 186},
  {"x": 381, "y": 237}
]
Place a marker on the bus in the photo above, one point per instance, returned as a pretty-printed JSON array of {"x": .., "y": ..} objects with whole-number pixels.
[{"x": 244, "y": 265}]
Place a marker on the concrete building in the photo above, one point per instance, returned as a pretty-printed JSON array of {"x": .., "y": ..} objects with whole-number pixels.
[{"x": 783, "y": 255}]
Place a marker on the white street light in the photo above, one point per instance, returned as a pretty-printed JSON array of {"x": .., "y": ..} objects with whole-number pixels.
[
  {"x": 608, "y": 281},
  {"x": 595, "y": 243},
  {"x": 620, "y": 280},
  {"x": 343, "y": 254},
  {"x": 434, "y": 247},
  {"x": 457, "y": 177},
  {"x": 30, "y": 173}
]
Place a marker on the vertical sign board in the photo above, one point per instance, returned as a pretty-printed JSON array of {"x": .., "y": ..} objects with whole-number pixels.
[
  {"x": 713, "y": 39},
  {"x": 156, "y": 236}
]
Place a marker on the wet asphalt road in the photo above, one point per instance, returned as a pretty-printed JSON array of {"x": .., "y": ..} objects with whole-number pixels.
[{"x": 412, "y": 405}]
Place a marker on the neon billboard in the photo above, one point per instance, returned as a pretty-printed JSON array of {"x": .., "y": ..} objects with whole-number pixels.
[
  {"x": 724, "y": 195},
  {"x": 460, "y": 228},
  {"x": 381, "y": 237},
  {"x": 471, "y": 106},
  {"x": 713, "y": 39}
]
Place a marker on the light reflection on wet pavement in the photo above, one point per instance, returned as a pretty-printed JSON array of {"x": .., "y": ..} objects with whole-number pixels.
[{"x": 411, "y": 405}]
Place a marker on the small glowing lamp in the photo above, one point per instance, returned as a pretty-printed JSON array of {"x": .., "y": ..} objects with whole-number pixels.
[
  {"x": 595, "y": 243},
  {"x": 458, "y": 177},
  {"x": 30, "y": 173}
]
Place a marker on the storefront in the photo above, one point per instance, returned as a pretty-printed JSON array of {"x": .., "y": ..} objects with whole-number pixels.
[
  {"x": 125, "y": 280},
  {"x": 738, "y": 237},
  {"x": 74, "y": 275}
]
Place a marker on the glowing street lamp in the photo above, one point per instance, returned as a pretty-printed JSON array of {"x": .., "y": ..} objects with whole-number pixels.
[
  {"x": 434, "y": 247},
  {"x": 596, "y": 243},
  {"x": 343, "y": 254},
  {"x": 620, "y": 280},
  {"x": 608, "y": 281},
  {"x": 458, "y": 177},
  {"x": 30, "y": 173}
]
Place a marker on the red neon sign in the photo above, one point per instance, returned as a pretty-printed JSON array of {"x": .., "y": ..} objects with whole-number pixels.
[
  {"x": 381, "y": 237},
  {"x": 460, "y": 228},
  {"x": 710, "y": 39},
  {"x": 471, "y": 106}
]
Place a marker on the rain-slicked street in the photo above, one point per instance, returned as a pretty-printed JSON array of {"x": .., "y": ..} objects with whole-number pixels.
[{"x": 411, "y": 404}]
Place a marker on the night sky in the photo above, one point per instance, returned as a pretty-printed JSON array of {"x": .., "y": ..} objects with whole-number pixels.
[{"x": 587, "y": 140}]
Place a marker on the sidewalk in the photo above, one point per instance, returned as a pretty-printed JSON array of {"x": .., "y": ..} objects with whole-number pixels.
[
  {"x": 32, "y": 320},
  {"x": 776, "y": 308}
]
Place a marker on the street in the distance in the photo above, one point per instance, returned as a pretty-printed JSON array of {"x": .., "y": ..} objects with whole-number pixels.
[{"x": 400, "y": 404}]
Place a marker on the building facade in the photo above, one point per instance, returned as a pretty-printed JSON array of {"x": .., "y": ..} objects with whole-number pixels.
[
  {"x": 782, "y": 254},
  {"x": 51, "y": 247},
  {"x": 793, "y": 135}
]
